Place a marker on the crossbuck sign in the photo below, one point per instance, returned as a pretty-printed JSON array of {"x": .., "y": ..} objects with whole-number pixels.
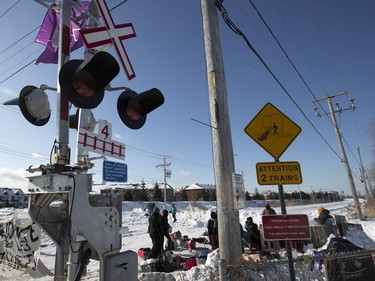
[{"x": 110, "y": 34}]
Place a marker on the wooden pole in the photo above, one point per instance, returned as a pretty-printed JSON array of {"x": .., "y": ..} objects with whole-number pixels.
[{"x": 228, "y": 218}]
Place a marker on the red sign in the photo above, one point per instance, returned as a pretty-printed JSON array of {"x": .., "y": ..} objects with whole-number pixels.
[{"x": 286, "y": 227}]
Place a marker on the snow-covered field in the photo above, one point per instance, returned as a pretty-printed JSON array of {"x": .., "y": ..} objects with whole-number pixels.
[{"x": 192, "y": 221}]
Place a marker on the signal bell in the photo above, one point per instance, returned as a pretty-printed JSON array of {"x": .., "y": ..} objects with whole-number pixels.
[
  {"x": 133, "y": 107},
  {"x": 83, "y": 84},
  {"x": 34, "y": 105}
]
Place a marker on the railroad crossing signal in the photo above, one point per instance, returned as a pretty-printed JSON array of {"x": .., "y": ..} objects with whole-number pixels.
[
  {"x": 133, "y": 107},
  {"x": 34, "y": 105},
  {"x": 83, "y": 83},
  {"x": 272, "y": 130}
]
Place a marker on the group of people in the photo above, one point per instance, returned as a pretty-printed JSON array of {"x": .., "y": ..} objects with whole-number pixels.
[
  {"x": 158, "y": 228},
  {"x": 251, "y": 235}
]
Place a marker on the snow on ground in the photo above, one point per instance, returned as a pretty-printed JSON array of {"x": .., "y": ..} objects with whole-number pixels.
[{"x": 192, "y": 221}]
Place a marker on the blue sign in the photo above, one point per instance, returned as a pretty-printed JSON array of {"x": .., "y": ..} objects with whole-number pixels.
[{"x": 114, "y": 171}]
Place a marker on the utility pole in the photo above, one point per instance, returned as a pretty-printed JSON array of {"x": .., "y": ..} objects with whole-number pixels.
[
  {"x": 167, "y": 174},
  {"x": 228, "y": 217},
  {"x": 343, "y": 154},
  {"x": 363, "y": 176}
]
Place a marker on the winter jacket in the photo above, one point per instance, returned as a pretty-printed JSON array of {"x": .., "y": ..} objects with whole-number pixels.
[
  {"x": 154, "y": 225},
  {"x": 212, "y": 227},
  {"x": 323, "y": 217},
  {"x": 174, "y": 210},
  {"x": 253, "y": 233},
  {"x": 164, "y": 222},
  {"x": 268, "y": 211}
]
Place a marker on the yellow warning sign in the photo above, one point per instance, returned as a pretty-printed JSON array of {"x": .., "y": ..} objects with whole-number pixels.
[
  {"x": 275, "y": 173},
  {"x": 272, "y": 130}
]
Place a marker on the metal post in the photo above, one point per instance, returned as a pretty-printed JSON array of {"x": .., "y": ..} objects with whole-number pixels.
[
  {"x": 165, "y": 185},
  {"x": 228, "y": 217},
  {"x": 61, "y": 155},
  {"x": 288, "y": 248}
]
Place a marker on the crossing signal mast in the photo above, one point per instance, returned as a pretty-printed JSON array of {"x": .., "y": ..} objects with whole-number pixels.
[{"x": 82, "y": 228}]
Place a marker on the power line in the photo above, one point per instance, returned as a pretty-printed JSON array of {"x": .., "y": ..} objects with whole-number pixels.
[
  {"x": 24, "y": 36},
  {"x": 3, "y": 14},
  {"x": 291, "y": 62},
  {"x": 14, "y": 43},
  {"x": 1, "y": 82},
  {"x": 297, "y": 71},
  {"x": 236, "y": 30}
]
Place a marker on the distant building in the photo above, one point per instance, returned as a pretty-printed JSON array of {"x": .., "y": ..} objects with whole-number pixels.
[
  {"x": 13, "y": 197},
  {"x": 197, "y": 191},
  {"x": 120, "y": 190}
]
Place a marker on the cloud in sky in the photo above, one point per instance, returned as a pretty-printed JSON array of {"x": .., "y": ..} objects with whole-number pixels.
[
  {"x": 7, "y": 91},
  {"x": 37, "y": 155},
  {"x": 185, "y": 173},
  {"x": 118, "y": 137},
  {"x": 13, "y": 178}
]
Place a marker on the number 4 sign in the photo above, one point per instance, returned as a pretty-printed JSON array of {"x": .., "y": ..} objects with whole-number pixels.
[
  {"x": 105, "y": 129},
  {"x": 102, "y": 142}
]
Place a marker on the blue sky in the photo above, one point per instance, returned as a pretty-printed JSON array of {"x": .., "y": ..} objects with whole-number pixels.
[{"x": 331, "y": 44}]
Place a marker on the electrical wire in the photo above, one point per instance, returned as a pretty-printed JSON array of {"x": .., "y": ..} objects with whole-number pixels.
[
  {"x": 293, "y": 65},
  {"x": 237, "y": 31},
  {"x": 14, "y": 73},
  {"x": 11, "y": 7},
  {"x": 19, "y": 40},
  {"x": 287, "y": 56},
  {"x": 297, "y": 71},
  {"x": 24, "y": 36},
  {"x": 326, "y": 45}
]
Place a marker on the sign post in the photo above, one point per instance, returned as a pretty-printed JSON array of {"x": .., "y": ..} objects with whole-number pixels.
[{"x": 274, "y": 132}]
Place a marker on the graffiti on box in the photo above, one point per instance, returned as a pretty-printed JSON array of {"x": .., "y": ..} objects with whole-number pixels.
[{"x": 19, "y": 247}]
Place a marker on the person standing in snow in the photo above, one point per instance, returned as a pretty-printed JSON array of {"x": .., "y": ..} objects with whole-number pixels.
[
  {"x": 173, "y": 211},
  {"x": 253, "y": 233},
  {"x": 213, "y": 231},
  {"x": 268, "y": 210},
  {"x": 165, "y": 226},
  {"x": 156, "y": 233}
]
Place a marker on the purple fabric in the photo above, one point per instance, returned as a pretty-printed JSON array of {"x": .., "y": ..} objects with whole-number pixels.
[{"x": 48, "y": 34}]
